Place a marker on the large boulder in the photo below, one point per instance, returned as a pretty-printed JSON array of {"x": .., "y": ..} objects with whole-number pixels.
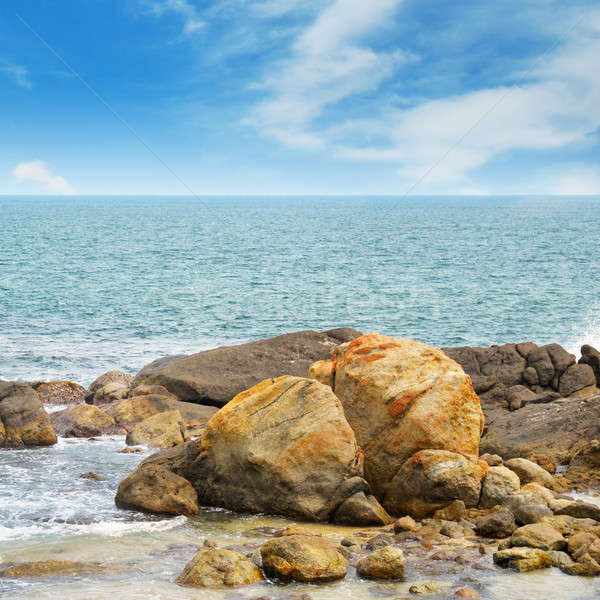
[
  {"x": 84, "y": 420},
  {"x": 304, "y": 558},
  {"x": 59, "y": 392},
  {"x": 23, "y": 420},
  {"x": 529, "y": 472},
  {"x": 431, "y": 479},
  {"x": 555, "y": 429},
  {"x": 162, "y": 430},
  {"x": 218, "y": 568},
  {"x": 284, "y": 447},
  {"x": 400, "y": 397},
  {"x": 215, "y": 376},
  {"x": 110, "y": 386},
  {"x": 590, "y": 356},
  {"x": 499, "y": 483}
]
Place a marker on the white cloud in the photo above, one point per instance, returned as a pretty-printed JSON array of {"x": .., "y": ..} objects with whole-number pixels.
[
  {"x": 18, "y": 73},
  {"x": 327, "y": 65},
  {"x": 192, "y": 22},
  {"x": 39, "y": 172},
  {"x": 574, "y": 181}
]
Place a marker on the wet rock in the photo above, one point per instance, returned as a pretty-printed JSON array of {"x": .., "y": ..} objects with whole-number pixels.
[
  {"x": 428, "y": 587},
  {"x": 92, "y": 475},
  {"x": 580, "y": 540},
  {"x": 586, "y": 566},
  {"x": 84, "y": 420},
  {"x": 129, "y": 450},
  {"x": 154, "y": 489},
  {"x": 23, "y": 420},
  {"x": 538, "y": 535},
  {"x": 529, "y": 471},
  {"x": 499, "y": 483},
  {"x": 282, "y": 447},
  {"x": 400, "y": 396},
  {"x": 322, "y": 371},
  {"x": 214, "y": 377},
  {"x": 51, "y": 568},
  {"x": 403, "y": 524},
  {"x": 218, "y": 568},
  {"x": 59, "y": 392},
  {"x": 431, "y": 479},
  {"x": 162, "y": 430},
  {"x": 560, "y": 559},
  {"x": 308, "y": 559},
  {"x": 523, "y": 559},
  {"x": 123, "y": 381},
  {"x": 492, "y": 459},
  {"x": 455, "y": 511},
  {"x": 384, "y": 563},
  {"x": 498, "y": 524},
  {"x": 361, "y": 509}
]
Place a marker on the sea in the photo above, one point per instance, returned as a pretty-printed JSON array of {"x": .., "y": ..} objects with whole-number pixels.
[{"x": 89, "y": 284}]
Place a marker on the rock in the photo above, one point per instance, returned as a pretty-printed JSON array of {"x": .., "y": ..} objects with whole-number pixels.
[
  {"x": 523, "y": 559},
  {"x": 527, "y": 514},
  {"x": 569, "y": 526},
  {"x": 427, "y": 587},
  {"x": 282, "y": 447},
  {"x": 162, "y": 430},
  {"x": 545, "y": 461},
  {"x": 401, "y": 396},
  {"x": 405, "y": 524},
  {"x": 385, "y": 563},
  {"x": 59, "y": 392},
  {"x": 218, "y": 568},
  {"x": 361, "y": 509},
  {"x": 560, "y": 559},
  {"x": 379, "y": 541},
  {"x": 152, "y": 488},
  {"x": 111, "y": 392},
  {"x": 455, "y": 511},
  {"x": 127, "y": 413},
  {"x": 529, "y": 471},
  {"x": 492, "y": 459},
  {"x": 23, "y": 420},
  {"x": 105, "y": 379},
  {"x": 581, "y": 510},
  {"x": 498, "y": 524},
  {"x": 580, "y": 540},
  {"x": 518, "y": 396},
  {"x": 575, "y": 378},
  {"x": 499, "y": 483},
  {"x": 308, "y": 559},
  {"x": 590, "y": 356},
  {"x": 51, "y": 568},
  {"x": 92, "y": 475},
  {"x": 129, "y": 450},
  {"x": 149, "y": 390},
  {"x": 84, "y": 420},
  {"x": 540, "y": 360},
  {"x": 530, "y": 376},
  {"x": 431, "y": 479},
  {"x": 538, "y": 536},
  {"x": 453, "y": 529},
  {"x": 586, "y": 566},
  {"x": 214, "y": 377},
  {"x": 322, "y": 371},
  {"x": 466, "y": 593}
]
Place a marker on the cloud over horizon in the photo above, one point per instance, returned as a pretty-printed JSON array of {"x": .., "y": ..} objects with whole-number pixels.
[{"x": 39, "y": 172}]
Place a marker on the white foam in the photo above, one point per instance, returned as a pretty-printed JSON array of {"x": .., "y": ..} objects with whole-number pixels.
[{"x": 590, "y": 336}]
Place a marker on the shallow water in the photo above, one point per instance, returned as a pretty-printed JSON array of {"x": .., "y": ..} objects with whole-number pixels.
[
  {"x": 91, "y": 284},
  {"x": 48, "y": 512}
]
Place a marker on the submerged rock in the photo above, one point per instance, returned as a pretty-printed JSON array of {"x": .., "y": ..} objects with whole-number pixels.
[
  {"x": 385, "y": 563},
  {"x": 214, "y": 377},
  {"x": 218, "y": 568},
  {"x": 23, "y": 420},
  {"x": 399, "y": 397},
  {"x": 282, "y": 447},
  {"x": 309, "y": 559},
  {"x": 431, "y": 479},
  {"x": 52, "y": 568}
]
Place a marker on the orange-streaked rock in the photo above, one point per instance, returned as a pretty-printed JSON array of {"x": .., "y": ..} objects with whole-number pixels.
[
  {"x": 400, "y": 397},
  {"x": 322, "y": 371}
]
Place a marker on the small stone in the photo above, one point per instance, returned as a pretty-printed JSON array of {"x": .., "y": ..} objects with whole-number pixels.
[
  {"x": 92, "y": 475},
  {"x": 492, "y": 459},
  {"x": 129, "y": 450},
  {"x": 379, "y": 541},
  {"x": 466, "y": 593},
  {"x": 499, "y": 524},
  {"x": 523, "y": 559},
  {"x": 453, "y": 512},
  {"x": 427, "y": 587},
  {"x": 384, "y": 563},
  {"x": 406, "y": 523}
]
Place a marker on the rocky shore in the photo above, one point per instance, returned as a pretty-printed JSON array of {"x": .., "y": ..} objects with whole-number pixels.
[{"x": 472, "y": 450}]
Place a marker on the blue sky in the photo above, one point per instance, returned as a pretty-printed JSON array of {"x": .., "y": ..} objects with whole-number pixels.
[{"x": 300, "y": 97}]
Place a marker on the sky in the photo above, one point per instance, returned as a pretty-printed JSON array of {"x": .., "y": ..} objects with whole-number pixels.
[{"x": 299, "y": 97}]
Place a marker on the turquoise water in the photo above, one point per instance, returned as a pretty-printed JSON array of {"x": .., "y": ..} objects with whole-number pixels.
[{"x": 90, "y": 284}]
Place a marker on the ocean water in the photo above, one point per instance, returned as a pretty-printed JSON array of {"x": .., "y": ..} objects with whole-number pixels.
[{"x": 90, "y": 284}]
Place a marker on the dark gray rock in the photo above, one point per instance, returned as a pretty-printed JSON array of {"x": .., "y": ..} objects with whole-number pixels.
[
  {"x": 575, "y": 378},
  {"x": 590, "y": 356}
]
